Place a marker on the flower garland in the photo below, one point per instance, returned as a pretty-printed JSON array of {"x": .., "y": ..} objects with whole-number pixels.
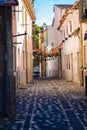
[{"x": 43, "y": 54}]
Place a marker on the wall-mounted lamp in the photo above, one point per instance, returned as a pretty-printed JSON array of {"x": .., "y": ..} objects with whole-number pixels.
[{"x": 20, "y": 34}]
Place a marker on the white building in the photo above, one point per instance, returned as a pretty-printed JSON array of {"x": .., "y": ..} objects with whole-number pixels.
[
  {"x": 50, "y": 45},
  {"x": 69, "y": 26},
  {"x": 84, "y": 52},
  {"x": 23, "y": 16},
  {"x": 53, "y": 63}
]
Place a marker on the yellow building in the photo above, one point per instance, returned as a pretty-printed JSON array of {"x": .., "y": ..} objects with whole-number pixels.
[{"x": 42, "y": 47}]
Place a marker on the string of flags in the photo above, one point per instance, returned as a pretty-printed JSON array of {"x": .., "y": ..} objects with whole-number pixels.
[{"x": 40, "y": 54}]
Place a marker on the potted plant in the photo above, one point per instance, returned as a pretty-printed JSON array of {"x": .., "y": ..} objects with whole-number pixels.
[{"x": 83, "y": 68}]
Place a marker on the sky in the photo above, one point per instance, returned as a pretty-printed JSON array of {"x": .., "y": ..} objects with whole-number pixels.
[{"x": 44, "y": 10}]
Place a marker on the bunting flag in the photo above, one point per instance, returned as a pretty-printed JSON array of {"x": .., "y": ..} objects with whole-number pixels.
[
  {"x": 45, "y": 54},
  {"x": 54, "y": 52}
]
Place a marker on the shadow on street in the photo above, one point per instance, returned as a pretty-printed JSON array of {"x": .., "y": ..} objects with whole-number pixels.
[{"x": 49, "y": 104}]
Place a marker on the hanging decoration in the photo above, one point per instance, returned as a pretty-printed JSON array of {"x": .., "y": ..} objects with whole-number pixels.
[{"x": 43, "y": 54}]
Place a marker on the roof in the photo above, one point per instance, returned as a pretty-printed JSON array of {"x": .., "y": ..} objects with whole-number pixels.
[
  {"x": 67, "y": 12},
  {"x": 63, "y": 6},
  {"x": 30, "y": 9}
]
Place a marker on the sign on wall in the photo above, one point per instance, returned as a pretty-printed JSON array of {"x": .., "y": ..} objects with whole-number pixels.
[{"x": 8, "y": 2}]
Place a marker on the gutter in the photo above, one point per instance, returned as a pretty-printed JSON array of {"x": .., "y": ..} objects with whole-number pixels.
[{"x": 29, "y": 9}]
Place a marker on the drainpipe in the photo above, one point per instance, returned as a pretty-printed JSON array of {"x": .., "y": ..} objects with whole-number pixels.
[
  {"x": 5, "y": 108},
  {"x": 81, "y": 54},
  {"x": 26, "y": 48}
]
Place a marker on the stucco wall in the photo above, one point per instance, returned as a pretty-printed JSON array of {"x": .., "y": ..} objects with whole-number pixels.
[
  {"x": 71, "y": 48},
  {"x": 24, "y": 63}
]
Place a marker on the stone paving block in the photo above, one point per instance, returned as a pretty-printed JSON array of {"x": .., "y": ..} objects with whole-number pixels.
[{"x": 49, "y": 105}]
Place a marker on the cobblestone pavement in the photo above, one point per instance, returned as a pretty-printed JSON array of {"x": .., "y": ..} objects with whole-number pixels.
[{"x": 49, "y": 105}]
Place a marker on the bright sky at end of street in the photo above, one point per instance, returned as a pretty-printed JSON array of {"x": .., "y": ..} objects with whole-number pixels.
[{"x": 44, "y": 10}]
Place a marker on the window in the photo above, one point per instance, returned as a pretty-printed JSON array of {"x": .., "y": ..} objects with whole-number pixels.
[
  {"x": 67, "y": 62},
  {"x": 67, "y": 30},
  {"x": 18, "y": 13},
  {"x": 22, "y": 15},
  {"x": 23, "y": 60},
  {"x": 77, "y": 62},
  {"x": 13, "y": 10},
  {"x": 26, "y": 21},
  {"x": 18, "y": 57},
  {"x": 70, "y": 26},
  {"x": 85, "y": 55},
  {"x": 64, "y": 33},
  {"x": 52, "y": 44}
]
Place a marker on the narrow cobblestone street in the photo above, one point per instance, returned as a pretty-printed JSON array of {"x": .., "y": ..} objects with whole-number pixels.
[{"x": 49, "y": 105}]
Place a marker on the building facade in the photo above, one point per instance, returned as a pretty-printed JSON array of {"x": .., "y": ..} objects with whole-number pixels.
[
  {"x": 42, "y": 52},
  {"x": 70, "y": 53},
  {"x": 23, "y": 17},
  {"x": 16, "y": 52},
  {"x": 84, "y": 48},
  {"x": 54, "y": 64},
  {"x": 50, "y": 69},
  {"x": 7, "y": 78}
]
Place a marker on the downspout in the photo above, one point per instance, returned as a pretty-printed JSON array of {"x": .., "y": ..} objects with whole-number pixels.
[
  {"x": 81, "y": 54},
  {"x": 5, "y": 108},
  {"x": 26, "y": 48}
]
